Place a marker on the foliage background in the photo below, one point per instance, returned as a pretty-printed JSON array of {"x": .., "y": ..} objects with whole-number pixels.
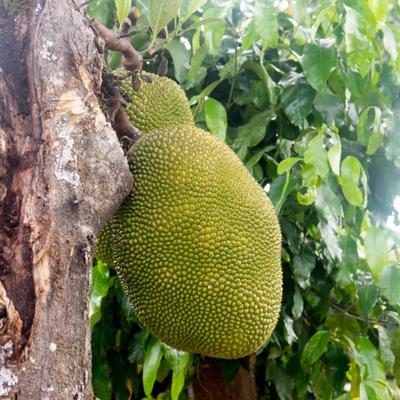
[{"x": 307, "y": 94}]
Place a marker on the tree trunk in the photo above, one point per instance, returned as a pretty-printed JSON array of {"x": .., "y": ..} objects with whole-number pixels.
[
  {"x": 210, "y": 383},
  {"x": 62, "y": 174}
]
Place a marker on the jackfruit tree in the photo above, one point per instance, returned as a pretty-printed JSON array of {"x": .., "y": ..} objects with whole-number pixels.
[{"x": 305, "y": 93}]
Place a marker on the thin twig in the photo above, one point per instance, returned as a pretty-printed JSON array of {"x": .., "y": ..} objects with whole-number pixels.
[
  {"x": 350, "y": 314},
  {"x": 85, "y": 3}
]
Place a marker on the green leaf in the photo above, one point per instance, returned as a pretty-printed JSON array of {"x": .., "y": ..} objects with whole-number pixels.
[
  {"x": 280, "y": 189},
  {"x": 178, "y": 376},
  {"x": 160, "y": 13},
  {"x": 99, "y": 289},
  {"x": 319, "y": 60},
  {"x": 331, "y": 107},
  {"x": 390, "y": 283},
  {"x": 196, "y": 63},
  {"x": 390, "y": 41},
  {"x": 380, "y": 9},
  {"x": 250, "y": 36},
  {"x": 368, "y": 296},
  {"x": 385, "y": 350},
  {"x": 369, "y": 129},
  {"x": 328, "y": 204},
  {"x": 298, "y": 304},
  {"x": 303, "y": 265},
  {"x": 367, "y": 359},
  {"x": 317, "y": 156},
  {"x": 252, "y": 132},
  {"x": 334, "y": 156},
  {"x": 358, "y": 33},
  {"x": 289, "y": 333},
  {"x": 152, "y": 360},
  {"x": 314, "y": 348},
  {"x": 266, "y": 24},
  {"x": 213, "y": 31},
  {"x": 287, "y": 165},
  {"x": 101, "y": 380},
  {"x": 123, "y": 7},
  {"x": 216, "y": 118},
  {"x": 307, "y": 198},
  {"x": 297, "y": 101},
  {"x": 101, "y": 10},
  {"x": 188, "y": 7},
  {"x": 330, "y": 237},
  {"x": 375, "y": 248},
  {"x": 351, "y": 171},
  {"x": 180, "y": 57}
]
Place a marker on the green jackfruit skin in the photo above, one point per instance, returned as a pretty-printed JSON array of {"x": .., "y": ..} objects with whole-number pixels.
[
  {"x": 103, "y": 246},
  {"x": 159, "y": 103},
  {"x": 197, "y": 245}
]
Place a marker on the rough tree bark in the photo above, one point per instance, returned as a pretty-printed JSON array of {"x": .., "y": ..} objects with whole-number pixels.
[{"x": 62, "y": 174}]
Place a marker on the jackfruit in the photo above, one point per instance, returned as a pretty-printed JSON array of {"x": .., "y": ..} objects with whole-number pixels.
[
  {"x": 197, "y": 245},
  {"x": 103, "y": 247},
  {"x": 159, "y": 103}
]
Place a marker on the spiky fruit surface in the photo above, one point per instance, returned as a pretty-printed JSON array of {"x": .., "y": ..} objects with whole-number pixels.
[
  {"x": 103, "y": 246},
  {"x": 159, "y": 103},
  {"x": 197, "y": 245}
]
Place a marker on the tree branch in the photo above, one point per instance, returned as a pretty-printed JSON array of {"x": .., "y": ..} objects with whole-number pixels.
[{"x": 132, "y": 60}]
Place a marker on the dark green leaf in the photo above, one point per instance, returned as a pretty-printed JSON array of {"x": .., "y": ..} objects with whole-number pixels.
[
  {"x": 331, "y": 239},
  {"x": 319, "y": 60},
  {"x": 303, "y": 264},
  {"x": 315, "y": 348},
  {"x": 101, "y": 380},
  {"x": 331, "y": 107},
  {"x": 297, "y": 101},
  {"x": 253, "y": 132},
  {"x": 290, "y": 334}
]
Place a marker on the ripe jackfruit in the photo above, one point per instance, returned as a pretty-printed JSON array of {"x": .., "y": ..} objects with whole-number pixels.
[
  {"x": 197, "y": 245},
  {"x": 159, "y": 103}
]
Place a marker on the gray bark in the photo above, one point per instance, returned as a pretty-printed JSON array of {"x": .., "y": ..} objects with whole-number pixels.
[{"x": 62, "y": 175}]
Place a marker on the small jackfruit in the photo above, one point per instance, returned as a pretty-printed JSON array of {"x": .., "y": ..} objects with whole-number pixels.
[
  {"x": 159, "y": 103},
  {"x": 197, "y": 245}
]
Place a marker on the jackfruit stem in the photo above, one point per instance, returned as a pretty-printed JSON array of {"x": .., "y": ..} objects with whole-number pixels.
[
  {"x": 124, "y": 127},
  {"x": 132, "y": 60}
]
